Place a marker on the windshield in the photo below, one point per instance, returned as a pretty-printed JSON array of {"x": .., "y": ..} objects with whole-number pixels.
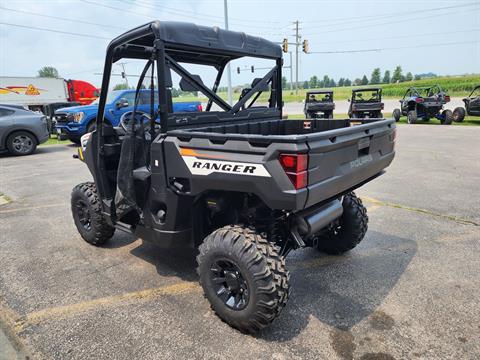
[
  {"x": 366, "y": 95},
  {"x": 110, "y": 97},
  {"x": 320, "y": 97}
]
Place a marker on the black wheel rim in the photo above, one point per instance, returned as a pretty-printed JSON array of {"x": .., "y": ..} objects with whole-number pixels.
[
  {"x": 83, "y": 214},
  {"x": 23, "y": 144},
  {"x": 229, "y": 284}
]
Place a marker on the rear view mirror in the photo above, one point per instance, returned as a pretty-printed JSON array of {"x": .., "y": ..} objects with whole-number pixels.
[{"x": 121, "y": 103}]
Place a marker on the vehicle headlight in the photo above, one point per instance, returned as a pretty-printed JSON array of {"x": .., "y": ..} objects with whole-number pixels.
[{"x": 77, "y": 117}]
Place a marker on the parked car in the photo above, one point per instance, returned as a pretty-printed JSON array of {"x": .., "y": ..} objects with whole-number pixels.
[
  {"x": 424, "y": 103},
  {"x": 73, "y": 122},
  {"x": 366, "y": 103},
  {"x": 21, "y": 130},
  {"x": 472, "y": 106},
  {"x": 319, "y": 104}
]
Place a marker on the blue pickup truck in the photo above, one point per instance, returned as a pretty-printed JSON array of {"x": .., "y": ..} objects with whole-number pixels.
[{"x": 73, "y": 122}]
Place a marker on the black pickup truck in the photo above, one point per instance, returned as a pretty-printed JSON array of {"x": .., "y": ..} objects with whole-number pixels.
[{"x": 237, "y": 182}]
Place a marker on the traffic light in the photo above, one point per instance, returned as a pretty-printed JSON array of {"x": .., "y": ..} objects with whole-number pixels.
[
  {"x": 285, "y": 45},
  {"x": 252, "y": 68},
  {"x": 305, "y": 46},
  {"x": 238, "y": 69}
]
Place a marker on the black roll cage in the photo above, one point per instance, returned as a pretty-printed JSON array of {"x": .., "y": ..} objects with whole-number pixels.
[{"x": 168, "y": 44}]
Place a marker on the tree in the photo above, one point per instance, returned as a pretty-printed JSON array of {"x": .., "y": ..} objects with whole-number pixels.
[
  {"x": 326, "y": 81},
  {"x": 364, "y": 80},
  {"x": 341, "y": 81},
  {"x": 121, "y": 86},
  {"x": 313, "y": 83},
  {"x": 320, "y": 84},
  {"x": 417, "y": 77},
  {"x": 357, "y": 81},
  {"x": 347, "y": 82},
  {"x": 284, "y": 82},
  {"x": 305, "y": 84},
  {"x": 332, "y": 83},
  {"x": 386, "y": 77},
  {"x": 375, "y": 79},
  {"x": 408, "y": 76},
  {"x": 48, "y": 71},
  {"x": 397, "y": 74}
]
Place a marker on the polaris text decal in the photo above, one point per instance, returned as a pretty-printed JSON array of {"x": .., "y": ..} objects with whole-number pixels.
[{"x": 205, "y": 167}]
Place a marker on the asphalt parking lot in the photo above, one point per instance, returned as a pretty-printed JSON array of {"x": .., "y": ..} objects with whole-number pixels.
[{"x": 410, "y": 290}]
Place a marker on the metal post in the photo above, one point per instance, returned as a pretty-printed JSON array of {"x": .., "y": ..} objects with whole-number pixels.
[
  {"x": 297, "y": 44},
  {"x": 229, "y": 73}
]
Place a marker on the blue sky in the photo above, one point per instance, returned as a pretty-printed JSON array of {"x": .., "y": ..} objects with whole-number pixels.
[{"x": 400, "y": 28}]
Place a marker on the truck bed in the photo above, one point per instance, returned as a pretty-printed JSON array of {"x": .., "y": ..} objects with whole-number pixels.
[{"x": 341, "y": 157}]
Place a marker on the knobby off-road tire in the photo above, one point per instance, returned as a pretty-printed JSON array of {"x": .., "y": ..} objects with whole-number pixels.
[
  {"x": 87, "y": 215},
  {"x": 244, "y": 277},
  {"x": 397, "y": 114},
  {"x": 459, "y": 114},
  {"x": 447, "y": 117},
  {"x": 412, "y": 117},
  {"x": 352, "y": 227}
]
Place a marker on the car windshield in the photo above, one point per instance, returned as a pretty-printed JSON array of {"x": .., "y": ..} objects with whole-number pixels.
[
  {"x": 324, "y": 97},
  {"x": 366, "y": 95},
  {"x": 110, "y": 97}
]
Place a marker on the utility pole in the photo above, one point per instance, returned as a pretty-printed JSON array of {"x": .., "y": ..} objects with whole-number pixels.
[
  {"x": 229, "y": 73},
  {"x": 291, "y": 71},
  {"x": 297, "y": 44}
]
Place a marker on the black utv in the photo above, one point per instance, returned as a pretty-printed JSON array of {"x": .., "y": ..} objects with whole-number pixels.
[
  {"x": 237, "y": 182},
  {"x": 424, "y": 103},
  {"x": 472, "y": 106},
  {"x": 366, "y": 103},
  {"x": 319, "y": 104}
]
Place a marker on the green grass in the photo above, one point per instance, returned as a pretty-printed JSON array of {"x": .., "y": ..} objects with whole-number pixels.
[
  {"x": 458, "y": 86},
  {"x": 55, "y": 141},
  {"x": 469, "y": 120}
]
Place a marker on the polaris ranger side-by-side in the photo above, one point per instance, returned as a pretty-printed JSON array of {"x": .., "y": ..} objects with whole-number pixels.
[
  {"x": 366, "y": 103},
  {"x": 236, "y": 181},
  {"x": 424, "y": 103},
  {"x": 319, "y": 104}
]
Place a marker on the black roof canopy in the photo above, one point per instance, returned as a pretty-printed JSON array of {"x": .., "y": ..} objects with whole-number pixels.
[{"x": 187, "y": 42}]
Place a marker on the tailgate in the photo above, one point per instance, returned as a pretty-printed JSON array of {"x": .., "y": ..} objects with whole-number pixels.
[{"x": 342, "y": 159}]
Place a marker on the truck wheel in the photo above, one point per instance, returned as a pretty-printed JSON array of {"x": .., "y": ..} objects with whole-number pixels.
[
  {"x": 447, "y": 117},
  {"x": 412, "y": 117},
  {"x": 87, "y": 214},
  {"x": 351, "y": 229},
  {"x": 459, "y": 114},
  {"x": 20, "y": 143},
  {"x": 62, "y": 137},
  {"x": 243, "y": 276},
  {"x": 396, "y": 114}
]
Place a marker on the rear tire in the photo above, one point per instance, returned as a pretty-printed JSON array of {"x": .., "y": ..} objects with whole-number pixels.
[
  {"x": 21, "y": 143},
  {"x": 447, "y": 117},
  {"x": 244, "y": 277},
  {"x": 351, "y": 228},
  {"x": 412, "y": 117},
  {"x": 459, "y": 114},
  {"x": 87, "y": 215},
  {"x": 397, "y": 114}
]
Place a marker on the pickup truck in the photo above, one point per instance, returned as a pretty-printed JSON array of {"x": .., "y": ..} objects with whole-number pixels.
[
  {"x": 73, "y": 122},
  {"x": 237, "y": 182}
]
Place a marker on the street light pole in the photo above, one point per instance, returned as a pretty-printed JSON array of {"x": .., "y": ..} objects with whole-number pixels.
[
  {"x": 291, "y": 71},
  {"x": 297, "y": 44},
  {"x": 229, "y": 73}
]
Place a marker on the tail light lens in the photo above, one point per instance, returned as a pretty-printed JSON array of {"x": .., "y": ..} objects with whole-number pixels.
[
  {"x": 295, "y": 166},
  {"x": 383, "y": 106},
  {"x": 447, "y": 98},
  {"x": 199, "y": 107},
  {"x": 419, "y": 100}
]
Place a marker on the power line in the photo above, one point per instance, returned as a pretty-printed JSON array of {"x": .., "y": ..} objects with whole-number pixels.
[
  {"x": 395, "y": 48},
  {"x": 60, "y": 18},
  {"x": 54, "y": 31}
]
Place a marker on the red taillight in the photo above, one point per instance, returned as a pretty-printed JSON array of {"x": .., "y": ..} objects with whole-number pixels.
[
  {"x": 295, "y": 166},
  {"x": 447, "y": 98},
  {"x": 419, "y": 100},
  {"x": 199, "y": 107}
]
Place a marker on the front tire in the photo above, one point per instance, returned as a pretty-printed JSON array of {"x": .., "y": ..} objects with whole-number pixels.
[
  {"x": 21, "y": 143},
  {"x": 244, "y": 277},
  {"x": 459, "y": 114},
  {"x": 397, "y": 114},
  {"x": 349, "y": 231},
  {"x": 87, "y": 215}
]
